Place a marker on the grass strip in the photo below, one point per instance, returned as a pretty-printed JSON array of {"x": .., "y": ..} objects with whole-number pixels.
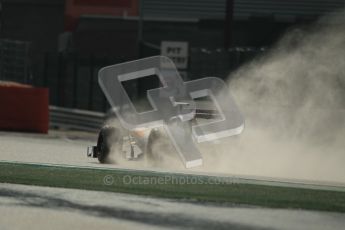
[{"x": 170, "y": 185}]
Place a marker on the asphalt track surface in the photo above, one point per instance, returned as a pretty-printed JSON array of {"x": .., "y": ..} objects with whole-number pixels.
[
  {"x": 68, "y": 149},
  {"x": 58, "y": 208},
  {"x": 65, "y": 148}
]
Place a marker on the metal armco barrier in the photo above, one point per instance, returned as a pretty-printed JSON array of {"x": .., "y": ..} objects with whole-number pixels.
[{"x": 75, "y": 119}]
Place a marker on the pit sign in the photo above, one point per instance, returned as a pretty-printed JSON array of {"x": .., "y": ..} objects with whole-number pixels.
[{"x": 176, "y": 51}]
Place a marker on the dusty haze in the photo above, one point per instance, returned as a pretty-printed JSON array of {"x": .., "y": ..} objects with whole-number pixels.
[{"x": 293, "y": 100}]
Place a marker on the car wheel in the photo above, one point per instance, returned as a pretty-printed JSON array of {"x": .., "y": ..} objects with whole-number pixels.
[{"x": 108, "y": 137}]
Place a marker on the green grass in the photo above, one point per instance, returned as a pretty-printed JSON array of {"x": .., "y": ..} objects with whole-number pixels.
[{"x": 197, "y": 190}]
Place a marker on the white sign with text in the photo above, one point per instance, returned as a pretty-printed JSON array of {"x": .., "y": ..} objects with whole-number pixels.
[{"x": 176, "y": 51}]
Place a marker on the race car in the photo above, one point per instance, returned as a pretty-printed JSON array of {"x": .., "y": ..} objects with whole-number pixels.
[
  {"x": 179, "y": 107},
  {"x": 138, "y": 144}
]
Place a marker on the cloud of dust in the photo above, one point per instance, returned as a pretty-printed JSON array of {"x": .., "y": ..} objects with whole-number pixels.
[{"x": 293, "y": 100}]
